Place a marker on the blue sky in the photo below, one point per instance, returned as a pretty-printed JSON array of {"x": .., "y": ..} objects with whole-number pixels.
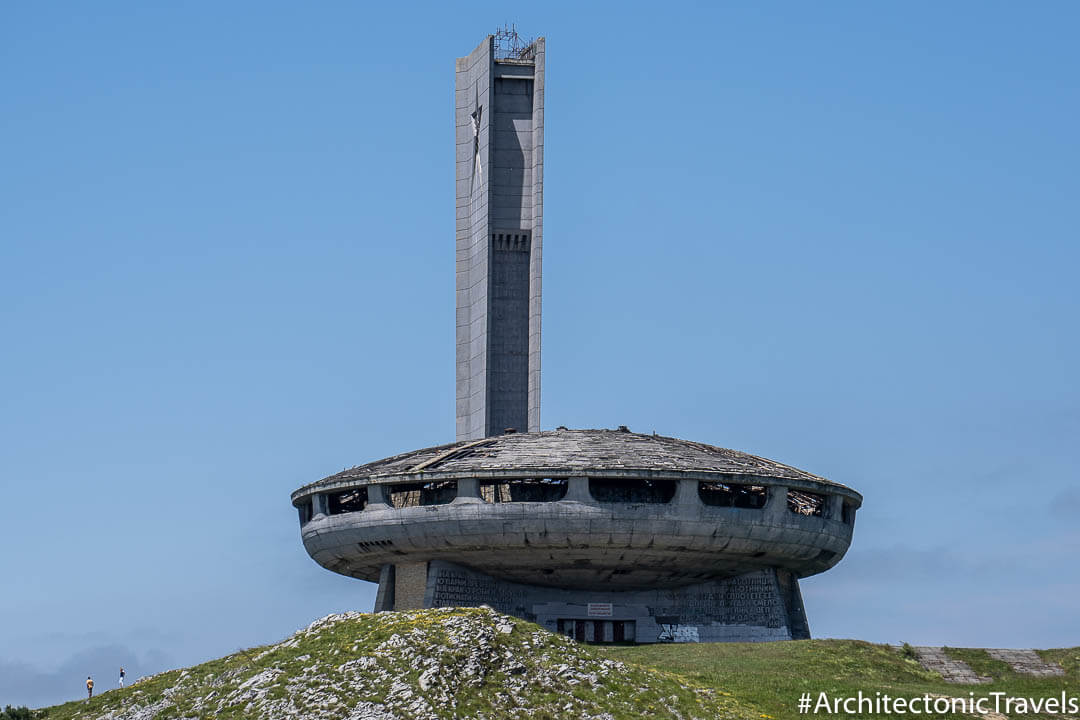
[{"x": 839, "y": 235}]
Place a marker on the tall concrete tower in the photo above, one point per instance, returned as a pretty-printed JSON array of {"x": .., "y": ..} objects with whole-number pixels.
[
  {"x": 603, "y": 535},
  {"x": 499, "y": 113}
]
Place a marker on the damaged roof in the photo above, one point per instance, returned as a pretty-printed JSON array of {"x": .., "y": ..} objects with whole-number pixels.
[{"x": 562, "y": 453}]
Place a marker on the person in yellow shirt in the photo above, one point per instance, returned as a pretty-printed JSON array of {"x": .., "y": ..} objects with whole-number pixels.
[{"x": 89, "y": 687}]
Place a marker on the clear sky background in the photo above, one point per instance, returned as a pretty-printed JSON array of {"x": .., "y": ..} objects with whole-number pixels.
[{"x": 840, "y": 235}]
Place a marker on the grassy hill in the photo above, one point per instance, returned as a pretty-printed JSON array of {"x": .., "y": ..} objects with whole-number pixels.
[
  {"x": 772, "y": 676},
  {"x": 449, "y": 663},
  {"x": 476, "y": 663}
]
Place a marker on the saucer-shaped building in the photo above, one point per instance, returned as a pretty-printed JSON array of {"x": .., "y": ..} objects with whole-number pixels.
[
  {"x": 664, "y": 538},
  {"x": 605, "y": 535}
]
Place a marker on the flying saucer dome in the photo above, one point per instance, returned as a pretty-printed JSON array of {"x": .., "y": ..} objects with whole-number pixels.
[
  {"x": 579, "y": 508},
  {"x": 568, "y": 452}
]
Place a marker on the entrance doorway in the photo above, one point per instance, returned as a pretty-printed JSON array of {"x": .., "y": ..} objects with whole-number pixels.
[{"x": 597, "y": 631}]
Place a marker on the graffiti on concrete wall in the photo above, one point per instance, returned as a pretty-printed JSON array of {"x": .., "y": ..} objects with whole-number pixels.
[{"x": 676, "y": 633}]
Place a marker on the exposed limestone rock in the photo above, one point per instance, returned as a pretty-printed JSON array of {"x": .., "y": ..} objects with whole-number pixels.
[{"x": 420, "y": 665}]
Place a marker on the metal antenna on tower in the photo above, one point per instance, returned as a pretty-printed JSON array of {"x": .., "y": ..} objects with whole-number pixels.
[{"x": 509, "y": 45}]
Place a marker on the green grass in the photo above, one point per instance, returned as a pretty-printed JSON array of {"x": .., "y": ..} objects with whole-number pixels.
[
  {"x": 213, "y": 689},
  {"x": 772, "y": 676},
  {"x": 736, "y": 681}
]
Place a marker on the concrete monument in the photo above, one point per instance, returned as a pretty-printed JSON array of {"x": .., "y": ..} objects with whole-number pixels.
[
  {"x": 499, "y": 116},
  {"x": 604, "y": 535}
]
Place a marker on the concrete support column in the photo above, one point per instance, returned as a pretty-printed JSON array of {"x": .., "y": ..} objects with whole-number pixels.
[
  {"x": 791, "y": 596},
  {"x": 378, "y": 498},
  {"x": 318, "y": 505},
  {"x": 776, "y": 509},
  {"x": 384, "y": 599},
  {"x": 686, "y": 494},
  {"x": 468, "y": 491},
  {"x": 577, "y": 488}
]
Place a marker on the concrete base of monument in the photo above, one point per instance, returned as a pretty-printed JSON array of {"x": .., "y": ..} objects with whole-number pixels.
[{"x": 760, "y": 606}]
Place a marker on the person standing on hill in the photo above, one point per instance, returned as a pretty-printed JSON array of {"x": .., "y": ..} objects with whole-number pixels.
[
  {"x": 89, "y": 687},
  {"x": 122, "y": 675}
]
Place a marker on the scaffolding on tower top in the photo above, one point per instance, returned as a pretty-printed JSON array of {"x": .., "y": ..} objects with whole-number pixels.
[{"x": 509, "y": 45}]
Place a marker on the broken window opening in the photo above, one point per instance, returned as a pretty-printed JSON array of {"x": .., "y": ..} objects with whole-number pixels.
[
  {"x": 348, "y": 501},
  {"x": 631, "y": 490},
  {"x": 524, "y": 490},
  {"x": 306, "y": 511},
  {"x": 806, "y": 503},
  {"x": 847, "y": 513},
  {"x": 423, "y": 494},
  {"x": 715, "y": 494}
]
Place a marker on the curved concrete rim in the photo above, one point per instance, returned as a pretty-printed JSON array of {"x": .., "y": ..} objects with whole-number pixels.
[
  {"x": 827, "y": 488},
  {"x": 567, "y": 453}
]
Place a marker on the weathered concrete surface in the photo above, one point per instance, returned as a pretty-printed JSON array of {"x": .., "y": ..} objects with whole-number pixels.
[
  {"x": 760, "y": 606},
  {"x": 410, "y": 583},
  {"x": 578, "y": 541},
  {"x": 499, "y": 121},
  {"x": 566, "y": 453},
  {"x": 581, "y": 544},
  {"x": 953, "y": 671},
  {"x": 574, "y": 512},
  {"x": 1027, "y": 662}
]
